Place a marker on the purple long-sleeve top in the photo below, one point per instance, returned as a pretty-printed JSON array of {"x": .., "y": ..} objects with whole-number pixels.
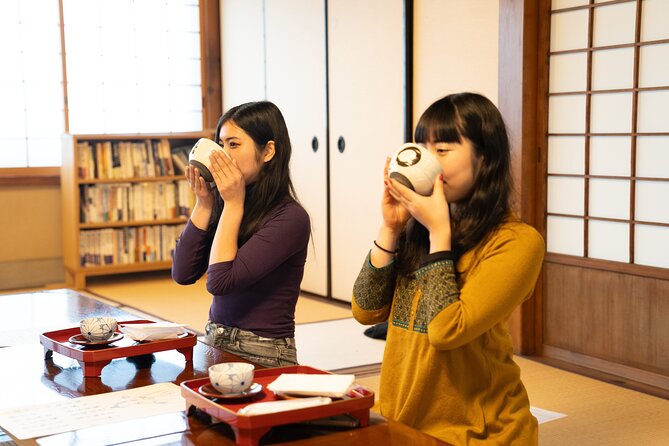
[{"x": 258, "y": 290}]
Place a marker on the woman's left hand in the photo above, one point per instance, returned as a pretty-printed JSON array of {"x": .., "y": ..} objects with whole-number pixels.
[
  {"x": 431, "y": 211},
  {"x": 228, "y": 178}
]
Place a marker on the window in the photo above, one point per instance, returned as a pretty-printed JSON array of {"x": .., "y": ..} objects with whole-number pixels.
[
  {"x": 131, "y": 66},
  {"x": 608, "y": 136},
  {"x": 31, "y": 88}
]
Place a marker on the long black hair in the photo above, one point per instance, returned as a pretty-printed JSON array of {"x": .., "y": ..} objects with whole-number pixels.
[
  {"x": 263, "y": 122},
  {"x": 475, "y": 117}
]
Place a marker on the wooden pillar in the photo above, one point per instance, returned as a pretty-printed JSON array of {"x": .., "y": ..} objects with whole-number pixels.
[{"x": 522, "y": 72}]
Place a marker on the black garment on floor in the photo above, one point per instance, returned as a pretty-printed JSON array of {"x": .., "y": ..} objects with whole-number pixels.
[{"x": 378, "y": 331}]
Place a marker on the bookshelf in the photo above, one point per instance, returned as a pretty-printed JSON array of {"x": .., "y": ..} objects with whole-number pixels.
[{"x": 125, "y": 200}]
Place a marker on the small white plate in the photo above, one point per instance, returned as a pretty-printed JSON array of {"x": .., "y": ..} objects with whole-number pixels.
[
  {"x": 81, "y": 340},
  {"x": 210, "y": 392}
]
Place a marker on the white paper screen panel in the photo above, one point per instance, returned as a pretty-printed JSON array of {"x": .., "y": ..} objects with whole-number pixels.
[
  {"x": 566, "y": 155},
  {"x": 651, "y": 244},
  {"x": 609, "y": 198},
  {"x": 14, "y": 151},
  {"x": 565, "y": 195},
  {"x": 568, "y": 72},
  {"x": 31, "y": 89},
  {"x": 613, "y": 69},
  {"x": 562, "y": 4},
  {"x": 609, "y": 158},
  {"x": 654, "y": 16},
  {"x": 614, "y": 24},
  {"x": 654, "y": 65},
  {"x": 13, "y": 125},
  {"x": 611, "y": 113},
  {"x": 652, "y": 201},
  {"x": 653, "y": 114},
  {"x": 652, "y": 159},
  {"x": 44, "y": 100},
  {"x": 564, "y": 235},
  {"x": 608, "y": 240},
  {"x": 569, "y": 30},
  {"x": 610, "y": 155},
  {"x": 566, "y": 114},
  {"x": 133, "y": 66}
]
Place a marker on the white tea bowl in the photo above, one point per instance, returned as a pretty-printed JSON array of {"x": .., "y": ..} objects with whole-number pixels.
[
  {"x": 231, "y": 377},
  {"x": 98, "y": 328},
  {"x": 199, "y": 157},
  {"x": 415, "y": 167}
]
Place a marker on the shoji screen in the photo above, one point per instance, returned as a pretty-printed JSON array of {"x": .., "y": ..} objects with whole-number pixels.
[
  {"x": 133, "y": 66},
  {"x": 31, "y": 84},
  {"x": 608, "y": 131},
  {"x": 604, "y": 301}
]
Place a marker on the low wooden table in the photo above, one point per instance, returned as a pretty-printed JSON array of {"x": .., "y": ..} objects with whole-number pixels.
[{"x": 26, "y": 377}]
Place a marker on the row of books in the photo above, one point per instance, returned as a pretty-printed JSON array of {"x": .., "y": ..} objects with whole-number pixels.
[
  {"x": 123, "y": 246},
  {"x": 127, "y": 159},
  {"x": 180, "y": 159},
  {"x": 127, "y": 202}
]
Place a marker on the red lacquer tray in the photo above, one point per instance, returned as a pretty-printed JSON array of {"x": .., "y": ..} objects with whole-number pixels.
[
  {"x": 94, "y": 358},
  {"x": 249, "y": 429}
]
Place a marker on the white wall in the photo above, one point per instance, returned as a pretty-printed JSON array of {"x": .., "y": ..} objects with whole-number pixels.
[
  {"x": 455, "y": 49},
  {"x": 242, "y": 82}
]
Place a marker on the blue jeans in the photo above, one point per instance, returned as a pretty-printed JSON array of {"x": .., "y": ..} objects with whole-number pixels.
[{"x": 268, "y": 352}]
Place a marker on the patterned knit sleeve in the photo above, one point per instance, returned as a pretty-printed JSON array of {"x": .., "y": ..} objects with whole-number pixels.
[
  {"x": 373, "y": 292},
  {"x": 439, "y": 289}
]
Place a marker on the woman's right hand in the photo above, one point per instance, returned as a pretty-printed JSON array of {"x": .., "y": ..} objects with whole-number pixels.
[
  {"x": 203, "y": 194},
  {"x": 395, "y": 215}
]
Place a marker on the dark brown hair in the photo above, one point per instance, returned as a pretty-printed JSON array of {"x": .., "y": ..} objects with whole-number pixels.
[
  {"x": 263, "y": 122},
  {"x": 474, "y": 117}
]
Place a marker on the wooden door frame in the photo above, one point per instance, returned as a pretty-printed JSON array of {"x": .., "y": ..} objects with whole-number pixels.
[
  {"x": 523, "y": 79},
  {"x": 210, "y": 63}
]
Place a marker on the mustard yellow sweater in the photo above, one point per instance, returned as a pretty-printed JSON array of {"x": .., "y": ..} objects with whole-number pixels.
[{"x": 448, "y": 366}]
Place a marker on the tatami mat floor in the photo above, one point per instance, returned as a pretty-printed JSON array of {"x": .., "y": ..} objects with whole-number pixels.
[{"x": 158, "y": 295}]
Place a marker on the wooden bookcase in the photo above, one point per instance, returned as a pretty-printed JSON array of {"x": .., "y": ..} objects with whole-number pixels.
[{"x": 119, "y": 218}]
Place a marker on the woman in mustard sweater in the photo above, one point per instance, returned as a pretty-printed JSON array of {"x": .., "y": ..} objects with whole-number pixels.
[{"x": 446, "y": 271}]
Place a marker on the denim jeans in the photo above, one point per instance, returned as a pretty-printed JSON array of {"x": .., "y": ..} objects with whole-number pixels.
[{"x": 268, "y": 352}]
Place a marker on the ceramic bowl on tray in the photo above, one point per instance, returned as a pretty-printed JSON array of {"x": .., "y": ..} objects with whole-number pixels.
[
  {"x": 231, "y": 377},
  {"x": 98, "y": 328}
]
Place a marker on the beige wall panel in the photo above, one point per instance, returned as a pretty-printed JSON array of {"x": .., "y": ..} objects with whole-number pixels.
[
  {"x": 455, "y": 49},
  {"x": 30, "y": 223}
]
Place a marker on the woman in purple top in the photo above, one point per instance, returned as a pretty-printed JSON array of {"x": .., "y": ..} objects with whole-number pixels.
[{"x": 250, "y": 235}]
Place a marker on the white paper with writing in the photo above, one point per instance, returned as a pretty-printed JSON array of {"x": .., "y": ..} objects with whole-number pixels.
[{"x": 88, "y": 411}]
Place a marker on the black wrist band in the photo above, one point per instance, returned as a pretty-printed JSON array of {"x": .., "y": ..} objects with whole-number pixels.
[{"x": 384, "y": 249}]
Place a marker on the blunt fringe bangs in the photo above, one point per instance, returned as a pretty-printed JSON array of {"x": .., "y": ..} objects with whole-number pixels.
[{"x": 475, "y": 117}]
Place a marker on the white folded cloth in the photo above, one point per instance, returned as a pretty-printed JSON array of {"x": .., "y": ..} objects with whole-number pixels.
[
  {"x": 312, "y": 384},
  {"x": 282, "y": 405},
  {"x": 153, "y": 331}
]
